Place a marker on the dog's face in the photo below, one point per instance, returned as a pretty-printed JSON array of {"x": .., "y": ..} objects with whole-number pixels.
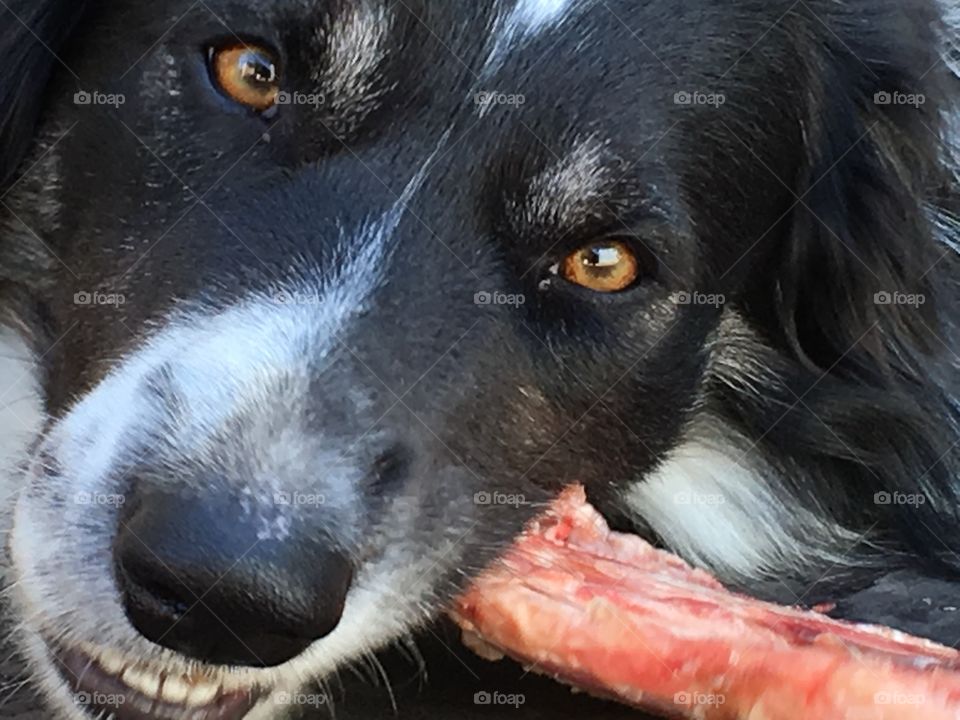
[{"x": 343, "y": 291}]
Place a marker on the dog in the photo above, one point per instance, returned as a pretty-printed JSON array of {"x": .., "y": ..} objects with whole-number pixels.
[{"x": 312, "y": 305}]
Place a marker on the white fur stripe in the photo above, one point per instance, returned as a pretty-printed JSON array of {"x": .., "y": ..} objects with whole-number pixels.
[
  {"x": 716, "y": 509},
  {"x": 20, "y": 408},
  {"x": 534, "y": 15},
  {"x": 528, "y": 18}
]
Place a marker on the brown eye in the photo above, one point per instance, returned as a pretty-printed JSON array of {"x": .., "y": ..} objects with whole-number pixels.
[
  {"x": 247, "y": 74},
  {"x": 608, "y": 267}
]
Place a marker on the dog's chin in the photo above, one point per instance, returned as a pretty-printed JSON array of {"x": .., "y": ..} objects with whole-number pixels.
[{"x": 82, "y": 682}]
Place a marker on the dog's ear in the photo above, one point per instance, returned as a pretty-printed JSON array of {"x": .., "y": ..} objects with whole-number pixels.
[
  {"x": 860, "y": 286},
  {"x": 865, "y": 289},
  {"x": 33, "y": 34}
]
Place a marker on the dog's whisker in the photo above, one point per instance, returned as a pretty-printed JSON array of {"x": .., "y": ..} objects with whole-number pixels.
[
  {"x": 10, "y": 695},
  {"x": 14, "y": 684},
  {"x": 382, "y": 672}
]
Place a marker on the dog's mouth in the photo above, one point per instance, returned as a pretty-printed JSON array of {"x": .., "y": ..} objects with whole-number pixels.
[{"x": 107, "y": 685}]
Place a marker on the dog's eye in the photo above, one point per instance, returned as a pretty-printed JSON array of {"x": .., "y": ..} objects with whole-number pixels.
[
  {"x": 608, "y": 267},
  {"x": 247, "y": 73}
]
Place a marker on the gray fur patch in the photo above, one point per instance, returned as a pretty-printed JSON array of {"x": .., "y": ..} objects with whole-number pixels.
[
  {"x": 571, "y": 191},
  {"x": 354, "y": 49}
]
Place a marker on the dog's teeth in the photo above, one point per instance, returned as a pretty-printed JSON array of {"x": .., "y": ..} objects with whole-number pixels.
[
  {"x": 112, "y": 662},
  {"x": 201, "y": 694},
  {"x": 175, "y": 691},
  {"x": 146, "y": 683}
]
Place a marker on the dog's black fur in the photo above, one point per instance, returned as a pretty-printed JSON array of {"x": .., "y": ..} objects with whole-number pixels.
[
  {"x": 801, "y": 200},
  {"x": 29, "y": 46}
]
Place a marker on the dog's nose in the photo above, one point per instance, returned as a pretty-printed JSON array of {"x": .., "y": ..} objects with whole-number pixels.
[{"x": 218, "y": 581}]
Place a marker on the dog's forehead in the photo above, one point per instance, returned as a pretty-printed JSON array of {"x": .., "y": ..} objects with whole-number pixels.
[
  {"x": 478, "y": 35},
  {"x": 591, "y": 59},
  {"x": 486, "y": 32},
  {"x": 516, "y": 18},
  {"x": 522, "y": 16}
]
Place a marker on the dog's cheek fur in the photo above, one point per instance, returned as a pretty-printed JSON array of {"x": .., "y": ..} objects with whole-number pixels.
[{"x": 821, "y": 397}]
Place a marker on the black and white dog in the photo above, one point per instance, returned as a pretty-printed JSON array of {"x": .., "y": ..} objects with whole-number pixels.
[{"x": 324, "y": 299}]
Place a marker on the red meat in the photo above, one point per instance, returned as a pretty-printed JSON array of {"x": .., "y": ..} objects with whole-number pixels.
[{"x": 612, "y": 615}]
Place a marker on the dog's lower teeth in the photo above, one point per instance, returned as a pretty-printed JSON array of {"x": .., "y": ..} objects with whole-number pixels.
[
  {"x": 120, "y": 687},
  {"x": 146, "y": 683},
  {"x": 201, "y": 694},
  {"x": 175, "y": 691},
  {"x": 112, "y": 662}
]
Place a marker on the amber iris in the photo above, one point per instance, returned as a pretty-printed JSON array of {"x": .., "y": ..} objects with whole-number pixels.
[
  {"x": 247, "y": 74},
  {"x": 608, "y": 267}
]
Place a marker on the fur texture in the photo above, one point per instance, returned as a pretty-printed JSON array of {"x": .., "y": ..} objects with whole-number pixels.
[{"x": 355, "y": 298}]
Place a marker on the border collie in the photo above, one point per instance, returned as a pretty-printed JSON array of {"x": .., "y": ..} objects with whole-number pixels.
[{"x": 314, "y": 303}]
